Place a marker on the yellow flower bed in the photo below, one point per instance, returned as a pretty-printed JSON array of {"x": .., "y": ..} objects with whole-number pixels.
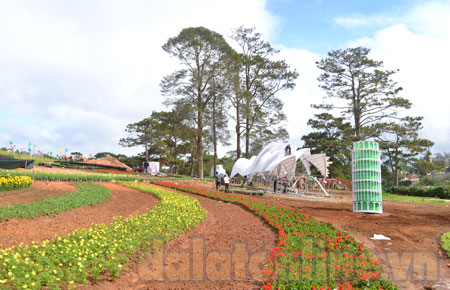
[
  {"x": 101, "y": 250},
  {"x": 9, "y": 182}
]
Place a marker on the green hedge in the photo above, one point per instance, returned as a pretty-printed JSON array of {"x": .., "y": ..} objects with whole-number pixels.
[
  {"x": 436, "y": 191},
  {"x": 86, "y": 195},
  {"x": 445, "y": 239}
]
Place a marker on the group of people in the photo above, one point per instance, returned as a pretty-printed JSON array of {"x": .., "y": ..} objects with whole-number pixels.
[
  {"x": 224, "y": 179},
  {"x": 142, "y": 168},
  {"x": 284, "y": 182}
]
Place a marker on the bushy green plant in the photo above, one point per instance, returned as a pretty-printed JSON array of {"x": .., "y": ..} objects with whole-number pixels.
[
  {"x": 432, "y": 191},
  {"x": 445, "y": 239}
]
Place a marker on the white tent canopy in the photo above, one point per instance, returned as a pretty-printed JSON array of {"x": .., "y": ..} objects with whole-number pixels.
[
  {"x": 275, "y": 161},
  {"x": 220, "y": 170}
]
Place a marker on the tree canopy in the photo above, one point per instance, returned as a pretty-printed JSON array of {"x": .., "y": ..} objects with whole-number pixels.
[
  {"x": 366, "y": 91},
  {"x": 260, "y": 78},
  {"x": 401, "y": 144},
  {"x": 201, "y": 53}
]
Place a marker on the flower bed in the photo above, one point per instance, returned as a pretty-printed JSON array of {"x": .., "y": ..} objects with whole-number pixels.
[
  {"x": 115, "y": 171},
  {"x": 58, "y": 176},
  {"x": 12, "y": 182},
  {"x": 100, "y": 250},
  {"x": 86, "y": 195},
  {"x": 310, "y": 253}
]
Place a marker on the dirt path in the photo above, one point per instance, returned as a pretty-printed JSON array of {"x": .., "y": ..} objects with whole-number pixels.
[
  {"x": 228, "y": 250},
  {"x": 123, "y": 202},
  {"x": 38, "y": 190},
  {"x": 413, "y": 259}
]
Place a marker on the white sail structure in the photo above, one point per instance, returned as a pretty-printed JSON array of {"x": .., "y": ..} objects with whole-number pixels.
[{"x": 273, "y": 161}]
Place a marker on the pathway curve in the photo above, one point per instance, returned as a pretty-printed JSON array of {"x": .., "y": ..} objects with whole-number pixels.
[
  {"x": 227, "y": 250},
  {"x": 123, "y": 202}
]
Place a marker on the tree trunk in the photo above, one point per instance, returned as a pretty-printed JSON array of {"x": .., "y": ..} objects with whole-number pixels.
[
  {"x": 238, "y": 133},
  {"x": 200, "y": 157},
  {"x": 214, "y": 134},
  {"x": 247, "y": 126},
  {"x": 247, "y": 137},
  {"x": 356, "y": 114},
  {"x": 238, "y": 138},
  {"x": 146, "y": 151},
  {"x": 357, "y": 127},
  {"x": 396, "y": 178},
  {"x": 200, "y": 143},
  {"x": 192, "y": 162}
]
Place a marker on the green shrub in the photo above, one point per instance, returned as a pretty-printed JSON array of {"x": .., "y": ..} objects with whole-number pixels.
[
  {"x": 445, "y": 239},
  {"x": 436, "y": 191}
]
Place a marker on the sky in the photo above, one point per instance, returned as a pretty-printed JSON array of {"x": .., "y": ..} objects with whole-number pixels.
[{"x": 73, "y": 74}]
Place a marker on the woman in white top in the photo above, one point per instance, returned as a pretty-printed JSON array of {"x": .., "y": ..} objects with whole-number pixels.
[{"x": 226, "y": 180}]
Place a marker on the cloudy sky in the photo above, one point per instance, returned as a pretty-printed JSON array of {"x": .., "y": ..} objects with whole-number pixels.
[{"x": 73, "y": 74}]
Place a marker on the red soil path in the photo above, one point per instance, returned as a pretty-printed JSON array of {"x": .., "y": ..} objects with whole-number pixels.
[
  {"x": 227, "y": 240},
  {"x": 413, "y": 259}
]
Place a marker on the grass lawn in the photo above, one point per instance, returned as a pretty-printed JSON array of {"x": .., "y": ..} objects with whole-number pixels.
[
  {"x": 418, "y": 199},
  {"x": 39, "y": 159}
]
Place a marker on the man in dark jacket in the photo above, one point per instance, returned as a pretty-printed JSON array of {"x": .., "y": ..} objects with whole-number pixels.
[{"x": 217, "y": 181}]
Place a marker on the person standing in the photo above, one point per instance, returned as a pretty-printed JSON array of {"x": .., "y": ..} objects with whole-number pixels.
[
  {"x": 146, "y": 164},
  {"x": 217, "y": 181},
  {"x": 285, "y": 182},
  {"x": 226, "y": 180}
]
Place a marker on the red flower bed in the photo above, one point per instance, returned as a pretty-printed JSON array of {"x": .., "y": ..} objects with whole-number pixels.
[{"x": 309, "y": 254}]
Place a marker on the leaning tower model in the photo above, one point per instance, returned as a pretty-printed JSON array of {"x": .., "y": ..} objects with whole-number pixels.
[{"x": 366, "y": 177}]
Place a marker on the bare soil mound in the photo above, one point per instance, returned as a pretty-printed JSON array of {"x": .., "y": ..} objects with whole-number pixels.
[{"x": 108, "y": 160}]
